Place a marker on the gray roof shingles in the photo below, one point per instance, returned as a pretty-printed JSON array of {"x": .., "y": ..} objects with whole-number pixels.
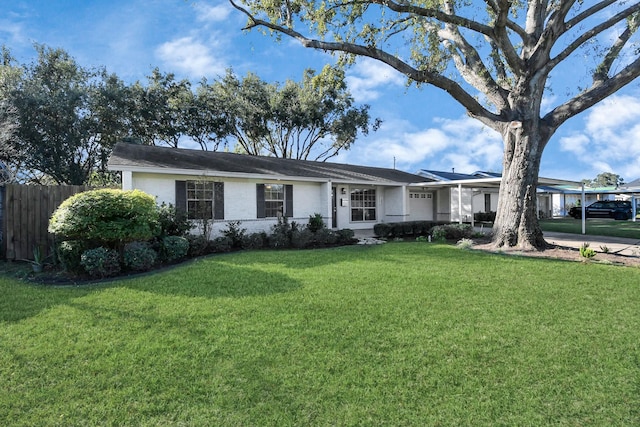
[{"x": 133, "y": 156}]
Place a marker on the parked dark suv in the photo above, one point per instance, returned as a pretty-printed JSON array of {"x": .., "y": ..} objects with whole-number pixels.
[{"x": 616, "y": 209}]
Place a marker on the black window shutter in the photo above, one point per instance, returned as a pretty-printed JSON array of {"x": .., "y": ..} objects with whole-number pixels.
[
  {"x": 181, "y": 196},
  {"x": 218, "y": 200},
  {"x": 260, "y": 201},
  {"x": 288, "y": 201}
]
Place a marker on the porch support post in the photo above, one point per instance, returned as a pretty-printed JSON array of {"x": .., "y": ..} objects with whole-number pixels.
[
  {"x": 582, "y": 207},
  {"x": 127, "y": 180},
  {"x": 460, "y": 203}
]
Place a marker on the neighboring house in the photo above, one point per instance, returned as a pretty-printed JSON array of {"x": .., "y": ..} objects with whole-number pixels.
[
  {"x": 567, "y": 196},
  {"x": 478, "y": 192},
  {"x": 258, "y": 190}
]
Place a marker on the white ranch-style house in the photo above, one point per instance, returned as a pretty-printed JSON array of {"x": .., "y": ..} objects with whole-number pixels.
[{"x": 257, "y": 190}]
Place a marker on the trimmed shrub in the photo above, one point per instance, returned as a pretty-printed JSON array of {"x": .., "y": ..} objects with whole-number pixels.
[
  {"x": 301, "y": 239},
  {"x": 108, "y": 217},
  {"x": 325, "y": 237},
  {"x": 172, "y": 222},
  {"x": 452, "y": 232},
  {"x": 254, "y": 241},
  {"x": 101, "y": 262},
  {"x": 235, "y": 233},
  {"x": 484, "y": 216},
  {"x": 281, "y": 234},
  {"x": 315, "y": 222},
  {"x": 174, "y": 248},
  {"x": 139, "y": 256},
  {"x": 382, "y": 229},
  {"x": 69, "y": 253},
  {"x": 403, "y": 229},
  {"x": 346, "y": 236},
  {"x": 220, "y": 244},
  {"x": 198, "y": 245}
]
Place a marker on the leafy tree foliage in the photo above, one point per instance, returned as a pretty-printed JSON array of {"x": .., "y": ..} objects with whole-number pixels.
[
  {"x": 69, "y": 117},
  {"x": 313, "y": 119},
  {"x": 159, "y": 111},
  {"x": 604, "y": 179},
  {"x": 506, "y": 51}
]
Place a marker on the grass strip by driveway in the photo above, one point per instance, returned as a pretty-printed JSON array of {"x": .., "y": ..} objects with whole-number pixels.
[
  {"x": 396, "y": 334},
  {"x": 594, "y": 227}
]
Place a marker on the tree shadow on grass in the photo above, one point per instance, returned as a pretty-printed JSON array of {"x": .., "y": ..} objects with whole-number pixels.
[
  {"x": 209, "y": 277},
  {"x": 214, "y": 277}
]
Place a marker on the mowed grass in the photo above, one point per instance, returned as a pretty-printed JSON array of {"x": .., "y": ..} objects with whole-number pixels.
[
  {"x": 397, "y": 334},
  {"x": 594, "y": 226}
]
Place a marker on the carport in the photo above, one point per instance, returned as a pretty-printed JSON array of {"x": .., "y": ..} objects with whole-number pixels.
[{"x": 457, "y": 187}]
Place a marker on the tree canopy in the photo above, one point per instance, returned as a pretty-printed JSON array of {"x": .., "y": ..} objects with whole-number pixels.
[
  {"x": 68, "y": 117},
  {"x": 311, "y": 120},
  {"x": 604, "y": 179},
  {"x": 499, "y": 59},
  {"x": 59, "y": 120}
]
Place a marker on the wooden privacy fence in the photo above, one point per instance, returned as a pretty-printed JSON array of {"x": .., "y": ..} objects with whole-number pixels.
[{"x": 24, "y": 216}]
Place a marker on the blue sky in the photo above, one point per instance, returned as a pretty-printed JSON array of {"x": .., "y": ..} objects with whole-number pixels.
[{"x": 422, "y": 128}]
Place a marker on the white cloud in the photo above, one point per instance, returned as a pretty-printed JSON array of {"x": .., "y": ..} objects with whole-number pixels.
[
  {"x": 610, "y": 141},
  {"x": 368, "y": 77},
  {"x": 464, "y": 144},
  {"x": 14, "y": 31},
  {"x": 192, "y": 57},
  {"x": 208, "y": 13}
]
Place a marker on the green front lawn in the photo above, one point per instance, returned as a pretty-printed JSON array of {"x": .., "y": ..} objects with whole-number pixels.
[
  {"x": 397, "y": 334},
  {"x": 594, "y": 226}
]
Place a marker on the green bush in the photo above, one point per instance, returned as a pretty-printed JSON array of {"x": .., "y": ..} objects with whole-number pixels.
[
  {"x": 382, "y": 229},
  {"x": 220, "y": 244},
  {"x": 403, "y": 229},
  {"x": 254, "y": 241},
  {"x": 101, "y": 262},
  {"x": 484, "y": 216},
  {"x": 69, "y": 253},
  {"x": 139, "y": 256},
  {"x": 452, "y": 232},
  {"x": 106, "y": 217},
  {"x": 280, "y": 236},
  {"x": 346, "y": 236},
  {"x": 325, "y": 237},
  {"x": 235, "y": 233},
  {"x": 198, "y": 245},
  {"x": 301, "y": 239},
  {"x": 172, "y": 222},
  {"x": 174, "y": 248},
  {"x": 315, "y": 222}
]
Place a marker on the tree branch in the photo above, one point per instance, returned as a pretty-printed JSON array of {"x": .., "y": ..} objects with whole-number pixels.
[
  {"x": 437, "y": 14},
  {"x": 595, "y": 94},
  {"x": 587, "y": 35},
  {"x": 420, "y": 76},
  {"x": 602, "y": 71}
]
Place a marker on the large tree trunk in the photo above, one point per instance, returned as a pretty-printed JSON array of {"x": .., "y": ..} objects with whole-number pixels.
[{"x": 516, "y": 223}]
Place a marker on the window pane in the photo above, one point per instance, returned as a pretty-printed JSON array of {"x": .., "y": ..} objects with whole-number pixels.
[
  {"x": 200, "y": 199},
  {"x": 363, "y": 204}
]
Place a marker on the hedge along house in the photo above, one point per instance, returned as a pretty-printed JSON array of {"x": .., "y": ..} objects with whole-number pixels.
[{"x": 257, "y": 190}]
